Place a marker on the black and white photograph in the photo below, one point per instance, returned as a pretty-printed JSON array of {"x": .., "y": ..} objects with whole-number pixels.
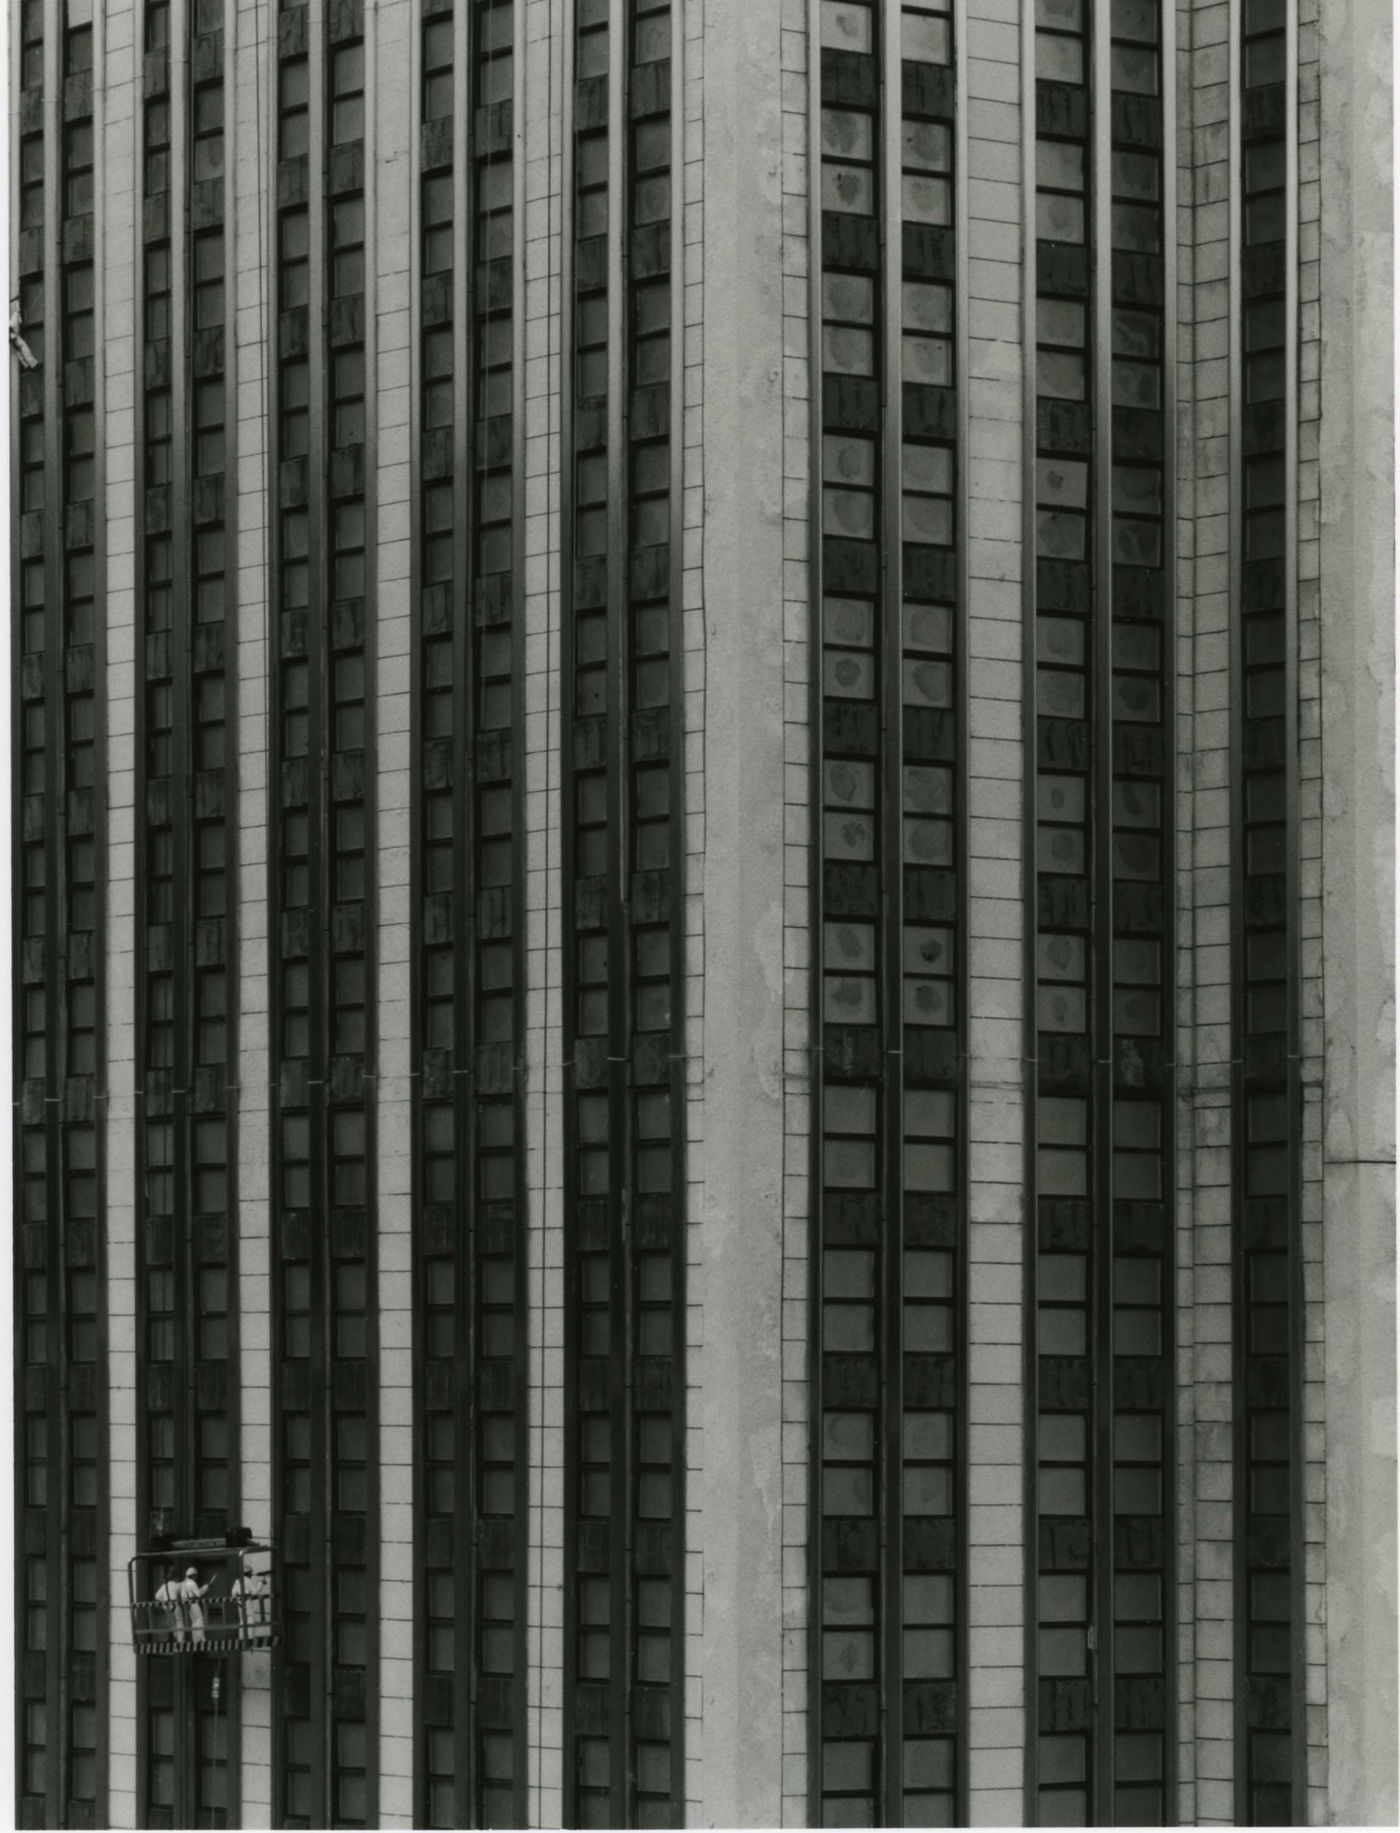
[{"x": 701, "y": 999}]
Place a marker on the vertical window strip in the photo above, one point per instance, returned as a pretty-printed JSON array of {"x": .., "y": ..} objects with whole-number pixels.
[
  {"x": 79, "y": 921},
  {"x": 210, "y": 996},
  {"x": 623, "y": 782},
  {"x": 896, "y": 141},
  {"x": 652, "y": 780},
  {"x": 886, "y": 1703},
  {"x": 186, "y": 1282},
  {"x": 849, "y": 1581},
  {"x": 326, "y": 1403},
  {"x": 1061, "y": 639},
  {"x": 164, "y": 1425},
  {"x": 300, "y": 1307},
  {"x": 347, "y": 896},
  {"x": 926, "y": 1778},
  {"x": 473, "y": 1750},
  {"x": 40, "y": 1311},
  {"x": 1136, "y": 965},
  {"x": 1103, "y": 1277},
  {"x": 1270, "y": 1723},
  {"x": 495, "y": 823},
  {"x": 441, "y": 1332},
  {"x": 596, "y": 1424}
]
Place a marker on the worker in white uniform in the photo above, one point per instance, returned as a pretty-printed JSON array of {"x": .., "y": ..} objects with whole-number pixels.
[
  {"x": 182, "y": 1597},
  {"x": 168, "y": 1619},
  {"x": 249, "y": 1595}
]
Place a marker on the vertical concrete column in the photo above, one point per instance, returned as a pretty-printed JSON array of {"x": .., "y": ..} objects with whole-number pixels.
[
  {"x": 688, "y": 202},
  {"x": 390, "y": 86},
  {"x": 990, "y": 129},
  {"x": 116, "y": 141},
  {"x": 799, "y": 94},
  {"x": 1311, "y": 748},
  {"x": 740, "y": 1493},
  {"x": 1358, "y": 725},
  {"x": 540, "y": 151},
  {"x": 252, "y": 178},
  {"x": 1187, "y": 1427},
  {"x": 1204, "y": 713}
]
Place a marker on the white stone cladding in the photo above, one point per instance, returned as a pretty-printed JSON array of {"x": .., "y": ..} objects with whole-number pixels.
[
  {"x": 390, "y": 143},
  {"x": 742, "y": 1210},
  {"x": 1310, "y": 911},
  {"x": 540, "y": 30},
  {"x": 114, "y": 131},
  {"x": 248, "y": 129},
  {"x": 1346, "y": 309},
  {"x": 798, "y": 754},
  {"x": 688, "y": 201},
  {"x": 1184, "y": 963},
  {"x": 990, "y": 144}
]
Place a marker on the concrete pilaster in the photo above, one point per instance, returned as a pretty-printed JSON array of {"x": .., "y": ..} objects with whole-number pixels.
[
  {"x": 990, "y": 241},
  {"x": 688, "y": 199},
  {"x": 539, "y": 43},
  {"x": 740, "y": 1494},
  {"x": 390, "y": 67},
  {"x": 114, "y": 129},
  {"x": 798, "y": 752},
  {"x": 248, "y": 130},
  {"x": 1357, "y": 1145}
]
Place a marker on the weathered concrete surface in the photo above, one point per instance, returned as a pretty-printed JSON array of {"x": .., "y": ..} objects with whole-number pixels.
[
  {"x": 1358, "y": 632},
  {"x": 742, "y": 1216}
]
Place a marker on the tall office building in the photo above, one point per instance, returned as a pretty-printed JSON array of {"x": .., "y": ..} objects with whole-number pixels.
[{"x": 702, "y": 717}]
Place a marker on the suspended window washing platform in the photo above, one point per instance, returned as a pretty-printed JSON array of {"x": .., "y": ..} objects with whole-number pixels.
[{"x": 205, "y": 1597}]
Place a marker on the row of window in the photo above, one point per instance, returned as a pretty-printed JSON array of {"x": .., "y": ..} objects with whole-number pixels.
[
  {"x": 623, "y": 885},
  {"x": 655, "y": 841},
  {"x": 596, "y": 1279},
  {"x": 324, "y": 1273},
  {"x": 301, "y": 1785},
  {"x": 187, "y": 1462},
  {"x": 1102, "y": 946},
  {"x": 1064, "y": 946},
  {"x": 45, "y": 1314},
  {"x": 469, "y": 1247},
  {"x": 59, "y": 1441},
  {"x": 80, "y": 737},
  {"x": 1266, "y": 1186},
  {"x": 1141, "y": 1017},
  {"x": 887, "y": 1452},
  {"x": 445, "y": 1592}
]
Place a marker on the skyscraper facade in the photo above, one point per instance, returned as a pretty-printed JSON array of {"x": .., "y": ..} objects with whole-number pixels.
[{"x": 701, "y": 836}]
